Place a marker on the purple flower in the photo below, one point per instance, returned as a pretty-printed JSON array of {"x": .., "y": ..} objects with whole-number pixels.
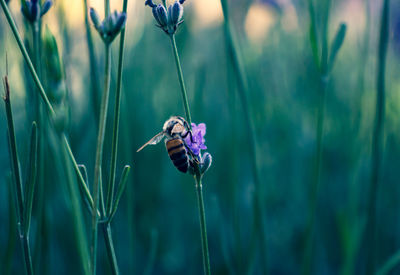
[{"x": 198, "y": 133}]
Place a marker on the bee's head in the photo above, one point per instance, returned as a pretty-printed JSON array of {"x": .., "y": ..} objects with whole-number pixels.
[{"x": 176, "y": 125}]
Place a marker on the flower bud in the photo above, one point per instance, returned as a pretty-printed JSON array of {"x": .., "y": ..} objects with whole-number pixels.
[
  {"x": 120, "y": 23},
  {"x": 35, "y": 10},
  {"x": 162, "y": 17},
  {"x": 150, "y": 4},
  {"x": 45, "y": 8},
  {"x": 205, "y": 163},
  {"x": 175, "y": 13},
  {"x": 95, "y": 18}
]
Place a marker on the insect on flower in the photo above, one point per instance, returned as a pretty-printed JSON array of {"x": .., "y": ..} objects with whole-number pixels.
[{"x": 176, "y": 131}]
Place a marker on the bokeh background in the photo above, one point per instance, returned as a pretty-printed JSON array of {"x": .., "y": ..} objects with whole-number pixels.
[{"x": 156, "y": 228}]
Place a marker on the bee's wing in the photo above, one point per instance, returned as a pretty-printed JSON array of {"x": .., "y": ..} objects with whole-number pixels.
[{"x": 156, "y": 139}]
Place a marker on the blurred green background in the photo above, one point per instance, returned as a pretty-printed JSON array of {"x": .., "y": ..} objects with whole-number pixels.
[{"x": 156, "y": 228}]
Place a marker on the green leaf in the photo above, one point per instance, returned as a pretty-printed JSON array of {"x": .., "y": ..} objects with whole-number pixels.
[
  {"x": 30, "y": 179},
  {"x": 120, "y": 190},
  {"x": 337, "y": 43}
]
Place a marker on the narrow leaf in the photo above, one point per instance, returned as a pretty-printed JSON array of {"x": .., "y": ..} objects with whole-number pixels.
[
  {"x": 30, "y": 178},
  {"x": 337, "y": 44},
  {"x": 120, "y": 190},
  {"x": 84, "y": 189}
]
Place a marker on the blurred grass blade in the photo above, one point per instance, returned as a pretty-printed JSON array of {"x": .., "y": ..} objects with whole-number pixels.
[
  {"x": 337, "y": 44},
  {"x": 120, "y": 190},
  {"x": 12, "y": 222},
  {"x": 17, "y": 177},
  {"x": 313, "y": 34},
  {"x": 377, "y": 143},
  {"x": 390, "y": 264},
  {"x": 153, "y": 252},
  {"x": 31, "y": 178}
]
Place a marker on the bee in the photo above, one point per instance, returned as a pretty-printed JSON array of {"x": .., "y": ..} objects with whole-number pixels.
[{"x": 175, "y": 130}]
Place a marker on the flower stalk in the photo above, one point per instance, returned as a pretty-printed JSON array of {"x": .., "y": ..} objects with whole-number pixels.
[{"x": 198, "y": 174}]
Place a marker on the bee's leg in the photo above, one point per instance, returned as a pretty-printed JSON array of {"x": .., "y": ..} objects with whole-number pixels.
[
  {"x": 189, "y": 132},
  {"x": 191, "y": 154}
]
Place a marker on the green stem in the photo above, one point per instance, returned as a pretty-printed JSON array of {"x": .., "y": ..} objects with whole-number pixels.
[
  {"x": 110, "y": 247},
  {"x": 377, "y": 141},
  {"x": 243, "y": 90},
  {"x": 203, "y": 229},
  {"x": 17, "y": 178},
  {"x": 111, "y": 185},
  {"x": 181, "y": 80},
  {"x": 99, "y": 154},
  {"x": 206, "y": 260},
  {"x": 93, "y": 65},
  {"x": 309, "y": 237}
]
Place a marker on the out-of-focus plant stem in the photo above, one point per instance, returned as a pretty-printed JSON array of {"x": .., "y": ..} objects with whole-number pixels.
[
  {"x": 377, "y": 142},
  {"x": 111, "y": 185},
  {"x": 99, "y": 153},
  {"x": 93, "y": 65},
  {"x": 199, "y": 190},
  {"x": 43, "y": 95},
  {"x": 17, "y": 180},
  {"x": 259, "y": 213}
]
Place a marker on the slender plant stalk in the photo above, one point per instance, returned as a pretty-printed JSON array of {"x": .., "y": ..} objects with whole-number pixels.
[
  {"x": 203, "y": 228},
  {"x": 99, "y": 154},
  {"x": 377, "y": 141},
  {"x": 107, "y": 233},
  {"x": 259, "y": 212},
  {"x": 17, "y": 179},
  {"x": 390, "y": 264},
  {"x": 111, "y": 185},
  {"x": 199, "y": 191},
  {"x": 93, "y": 65},
  {"x": 181, "y": 81}
]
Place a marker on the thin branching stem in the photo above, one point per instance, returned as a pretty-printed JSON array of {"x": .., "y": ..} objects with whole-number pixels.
[{"x": 99, "y": 154}]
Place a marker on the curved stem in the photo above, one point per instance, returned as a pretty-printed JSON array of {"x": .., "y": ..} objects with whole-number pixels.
[
  {"x": 99, "y": 154},
  {"x": 203, "y": 228},
  {"x": 181, "y": 80}
]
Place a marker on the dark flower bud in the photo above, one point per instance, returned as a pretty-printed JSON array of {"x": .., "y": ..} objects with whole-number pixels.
[
  {"x": 95, "y": 18},
  {"x": 175, "y": 13},
  {"x": 110, "y": 27},
  {"x": 181, "y": 2},
  {"x": 35, "y": 11},
  {"x": 162, "y": 15},
  {"x": 120, "y": 23},
  {"x": 205, "y": 163},
  {"x": 45, "y": 8},
  {"x": 150, "y": 4}
]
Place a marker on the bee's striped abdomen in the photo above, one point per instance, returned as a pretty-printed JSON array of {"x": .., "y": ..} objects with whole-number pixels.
[{"x": 178, "y": 154}]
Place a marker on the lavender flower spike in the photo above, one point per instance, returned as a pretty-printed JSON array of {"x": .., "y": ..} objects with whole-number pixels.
[{"x": 198, "y": 133}]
